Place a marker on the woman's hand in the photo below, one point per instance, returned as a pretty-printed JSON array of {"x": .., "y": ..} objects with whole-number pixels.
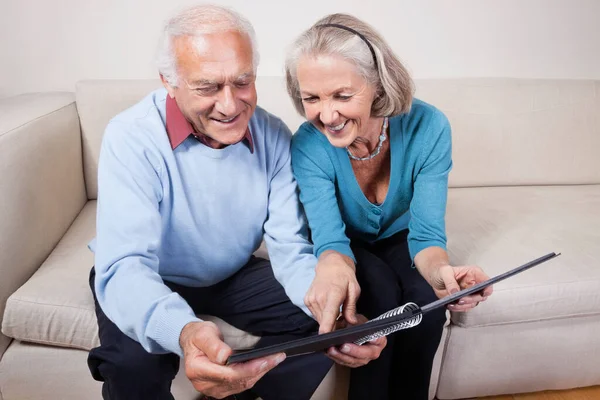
[
  {"x": 334, "y": 286},
  {"x": 352, "y": 355},
  {"x": 446, "y": 280}
]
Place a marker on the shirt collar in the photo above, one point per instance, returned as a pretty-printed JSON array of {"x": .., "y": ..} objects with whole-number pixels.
[{"x": 179, "y": 128}]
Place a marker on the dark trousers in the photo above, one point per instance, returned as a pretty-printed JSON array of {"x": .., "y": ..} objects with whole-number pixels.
[
  {"x": 251, "y": 300},
  {"x": 388, "y": 280}
]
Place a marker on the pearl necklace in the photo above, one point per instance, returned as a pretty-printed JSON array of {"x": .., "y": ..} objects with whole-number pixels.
[{"x": 382, "y": 138}]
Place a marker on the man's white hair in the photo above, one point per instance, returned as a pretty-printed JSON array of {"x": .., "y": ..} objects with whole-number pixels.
[{"x": 197, "y": 21}]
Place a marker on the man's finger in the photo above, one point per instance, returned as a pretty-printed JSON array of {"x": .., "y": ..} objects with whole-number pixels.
[
  {"x": 256, "y": 368},
  {"x": 207, "y": 371},
  {"x": 211, "y": 344},
  {"x": 204, "y": 370}
]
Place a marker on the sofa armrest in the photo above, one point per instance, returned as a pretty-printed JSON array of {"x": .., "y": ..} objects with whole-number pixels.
[{"x": 41, "y": 183}]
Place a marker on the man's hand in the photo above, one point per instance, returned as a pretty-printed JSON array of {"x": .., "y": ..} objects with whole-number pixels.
[
  {"x": 352, "y": 355},
  {"x": 205, "y": 354},
  {"x": 447, "y": 280},
  {"x": 334, "y": 285}
]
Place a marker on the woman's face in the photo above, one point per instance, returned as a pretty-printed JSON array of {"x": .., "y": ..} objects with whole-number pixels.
[{"x": 336, "y": 98}]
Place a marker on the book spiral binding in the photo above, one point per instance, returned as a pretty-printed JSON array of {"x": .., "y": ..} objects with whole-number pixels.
[{"x": 409, "y": 323}]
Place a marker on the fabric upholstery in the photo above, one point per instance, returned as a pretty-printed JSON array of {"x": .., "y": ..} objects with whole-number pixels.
[
  {"x": 41, "y": 182},
  {"x": 97, "y": 103},
  {"x": 523, "y": 357},
  {"x": 33, "y": 372},
  {"x": 25, "y": 362},
  {"x": 520, "y": 131},
  {"x": 23, "y": 109},
  {"x": 502, "y": 228},
  {"x": 55, "y": 306}
]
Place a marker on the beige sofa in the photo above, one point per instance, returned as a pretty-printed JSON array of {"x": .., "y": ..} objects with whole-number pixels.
[{"x": 526, "y": 181}]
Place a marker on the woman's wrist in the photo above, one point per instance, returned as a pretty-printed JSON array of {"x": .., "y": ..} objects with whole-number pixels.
[
  {"x": 332, "y": 257},
  {"x": 429, "y": 261}
]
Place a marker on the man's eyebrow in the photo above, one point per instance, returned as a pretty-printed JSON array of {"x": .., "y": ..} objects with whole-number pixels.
[
  {"x": 210, "y": 82},
  {"x": 204, "y": 82},
  {"x": 246, "y": 75}
]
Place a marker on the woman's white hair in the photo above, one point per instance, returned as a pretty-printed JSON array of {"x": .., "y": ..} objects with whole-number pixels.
[
  {"x": 197, "y": 21},
  {"x": 394, "y": 86}
]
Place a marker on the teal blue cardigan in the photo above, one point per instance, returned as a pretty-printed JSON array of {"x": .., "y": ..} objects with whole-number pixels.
[{"x": 338, "y": 211}]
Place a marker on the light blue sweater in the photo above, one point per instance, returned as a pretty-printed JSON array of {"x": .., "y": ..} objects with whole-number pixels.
[
  {"x": 193, "y": 215},
  {"x": 335, "y": 205}
]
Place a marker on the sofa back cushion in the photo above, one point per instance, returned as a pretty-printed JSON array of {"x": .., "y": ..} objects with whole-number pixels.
[
  {"x": 41, "y": 183},
  {"x": 514, "y": 132},
  {"x": 505, "y": 131},
  {"x": 97, "y": 102}
]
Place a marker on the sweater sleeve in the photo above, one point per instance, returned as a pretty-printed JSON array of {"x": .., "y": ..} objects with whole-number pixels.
[
  {"x": 286, "y": 232},
  {"x": 128, "y": 286},
  {"x": 430, "y": 189},
  {"x": 315, "y": 174}
]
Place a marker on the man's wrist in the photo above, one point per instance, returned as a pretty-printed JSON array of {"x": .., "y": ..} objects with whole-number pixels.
[{"x": 187, "y": 332}]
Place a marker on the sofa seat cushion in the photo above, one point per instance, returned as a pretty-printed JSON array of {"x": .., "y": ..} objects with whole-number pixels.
[
  {"x": 55, "y": 306},
  {"x": 499, "y": 228}
]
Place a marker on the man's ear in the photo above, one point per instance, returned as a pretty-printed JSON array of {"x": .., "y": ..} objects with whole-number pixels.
[{"x": 170, "y": 89}]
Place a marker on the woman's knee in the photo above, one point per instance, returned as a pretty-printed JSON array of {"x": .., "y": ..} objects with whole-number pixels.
[{"x": 434, "y": 321}]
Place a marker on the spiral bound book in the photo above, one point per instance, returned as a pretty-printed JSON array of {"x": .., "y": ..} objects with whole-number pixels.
[{"x": 404, "y": 317}]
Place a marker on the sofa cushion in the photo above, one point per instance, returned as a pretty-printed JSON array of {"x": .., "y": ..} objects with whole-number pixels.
[
  {"x": 520, "y": 131},
  {"x": 55, "y": 306},
  {"x": 503, "y": 227},
  {"x": 63, "y": 372}
]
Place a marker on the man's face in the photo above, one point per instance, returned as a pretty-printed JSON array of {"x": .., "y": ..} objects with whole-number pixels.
[{"x": 216, "y": 90}]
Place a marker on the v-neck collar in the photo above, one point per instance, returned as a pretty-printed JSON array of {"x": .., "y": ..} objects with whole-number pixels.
[{"x": 395, "y": 137}]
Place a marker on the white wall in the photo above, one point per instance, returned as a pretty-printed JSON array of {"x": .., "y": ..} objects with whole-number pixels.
[{"x": 50, "y": 44}]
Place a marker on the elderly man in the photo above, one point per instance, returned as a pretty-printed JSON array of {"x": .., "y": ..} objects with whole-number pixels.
[{"x": 190, "y": 181}]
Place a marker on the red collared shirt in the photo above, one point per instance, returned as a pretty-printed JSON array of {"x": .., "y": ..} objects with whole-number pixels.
[{"x": 179, "y": 128}]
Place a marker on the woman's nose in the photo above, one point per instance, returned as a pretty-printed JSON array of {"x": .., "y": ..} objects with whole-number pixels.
[{"x": 328, "y": 114}]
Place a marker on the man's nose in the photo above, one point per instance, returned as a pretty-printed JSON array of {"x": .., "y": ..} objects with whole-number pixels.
[{"x": 226, "y": 102}]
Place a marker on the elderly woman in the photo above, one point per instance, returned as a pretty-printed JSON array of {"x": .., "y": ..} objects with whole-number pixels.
[{"x": 372, "y": 166}]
